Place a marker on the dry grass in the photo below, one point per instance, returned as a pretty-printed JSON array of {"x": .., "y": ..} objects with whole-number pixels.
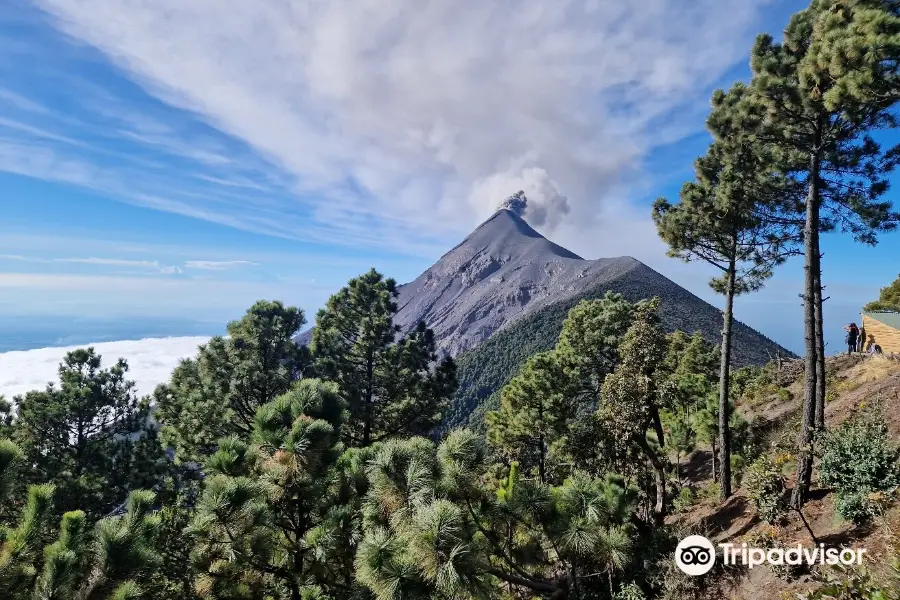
[{"x": 873, "y": 368}]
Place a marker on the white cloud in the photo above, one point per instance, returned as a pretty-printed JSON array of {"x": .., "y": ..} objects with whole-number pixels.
[
  {"x": 217, "y": 265},
  {"x": 114, "y": 262},
  {"x": 150, "y": 362},
  {"x": 401, "y": 120}
]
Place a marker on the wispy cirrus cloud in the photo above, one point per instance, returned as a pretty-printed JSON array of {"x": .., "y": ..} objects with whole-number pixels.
[
  {"x": 217, "y": 265},
  {"x": 144, "y": 265},
  {"x": 152, "y": 265},
  {"x": 390, "y": 124}
]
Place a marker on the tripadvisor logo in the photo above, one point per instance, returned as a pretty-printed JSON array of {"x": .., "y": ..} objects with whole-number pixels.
[{"x": 696, "y": 555}]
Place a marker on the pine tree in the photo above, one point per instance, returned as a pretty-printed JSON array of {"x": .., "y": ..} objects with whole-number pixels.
[
  {"x": 857, "y": 43},
  {"x": 554, "y": 390},
  {"x": 76, "y": 561},
  {"x": 735, "y": 217},
  {"x": 537, "y": 408},
  {"x": 434, "y": 530},
  {"x": 217, "y": 393},
  {"x": 888, "y": 298},
  {"x": 635, "y": 393},
  {"x": 589, "y": 342},
  {"x": 392, "y": 385},
  {"x": 90, "y": 436},
  {"x": 279, "y": 515},
  {"x": 818, "y": 128}
]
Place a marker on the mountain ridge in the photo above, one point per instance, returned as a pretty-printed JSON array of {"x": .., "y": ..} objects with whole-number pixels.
[
  {"x": 505, "y": 270},
  {"x": 501, "y": 271}
]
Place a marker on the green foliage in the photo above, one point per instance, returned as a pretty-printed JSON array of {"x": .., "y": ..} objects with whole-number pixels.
[
  {"x": 634, "y": 394},
  {"x": 279, "y": 516},
  {"x": 686, "y": 498},
  {"x": 888, "y": 299},
  {"x": 11, "y": 462},
  {"x": 847, "y": 583},
  {"x": 766, "y": 487},
  {"x": 433, "y": 530},
  {"x": 680, "y": 437},
  {"x": 217, "y": 393},
  {"x": 540, "y": 405},
  {"x": 588, "y": 347},
  {"x": 856, "y": 46},
  {"x": 536, "y": 410},
  {"x": 90, "y": 436},
  {"x": 391, "y": 385},
  {"x": 6, "y": 416},
  {"x": 630, "y": 591},
  {"x": 693, "y": 363},
  {"x": 76, "y": 561},
  {"x": 860, "y": 462}
]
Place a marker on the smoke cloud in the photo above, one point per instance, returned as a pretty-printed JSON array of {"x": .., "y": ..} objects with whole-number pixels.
[{"x": 403, "y": 120}]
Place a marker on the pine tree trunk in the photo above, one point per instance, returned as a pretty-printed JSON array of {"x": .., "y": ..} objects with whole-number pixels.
[
  {"x": 542, "y": 452},
  {"x": 659, "y": 511},
  {"x": 724, "y": 387},
  {"x": 659, "y": 473},
  {"x": 541, "y": 458},
  {"x": 820, "y": 341},
  {"x": 807, "y": 425}
]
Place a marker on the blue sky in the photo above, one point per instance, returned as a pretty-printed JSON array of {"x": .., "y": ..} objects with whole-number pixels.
[{"x": 162, "y": 158}]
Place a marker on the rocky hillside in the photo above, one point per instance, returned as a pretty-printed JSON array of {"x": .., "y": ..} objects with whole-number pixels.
[{"x": 854, "y": 382}]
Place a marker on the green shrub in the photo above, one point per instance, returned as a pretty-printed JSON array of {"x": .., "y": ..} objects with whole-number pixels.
[
  {"x": 842, "y": 582},
  {"x": 629, "y": 591},
  {"x": 710, "y": 491},
  {"x": 685, "y": 499},
  {"x": 860, "y": 463},
  {"x": 738, "y": 468},
  {"x": 765, "y": 486}
]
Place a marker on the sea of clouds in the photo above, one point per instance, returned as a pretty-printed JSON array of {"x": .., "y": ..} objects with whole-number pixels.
[{"x": 150, "y": 362}]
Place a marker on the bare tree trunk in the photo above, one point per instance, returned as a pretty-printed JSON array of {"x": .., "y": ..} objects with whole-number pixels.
[
  {"x": 724, "y": 387},
  {"x": 659, "y": 473},
  {"x": 807, "y": 425},
  {"x": 820, "y": 340}
]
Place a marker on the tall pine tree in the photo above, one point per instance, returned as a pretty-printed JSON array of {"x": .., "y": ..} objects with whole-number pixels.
[
  {"x": 393, "y": 385},
  {"x": 735, "y": 217},
  {"x": 90, "y": 436},
  {"x": 217, "y": 393},
  {"x": 818, "y": 129}
]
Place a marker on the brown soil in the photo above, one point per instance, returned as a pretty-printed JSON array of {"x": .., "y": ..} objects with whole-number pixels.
[{"x": 854, "y": 381}]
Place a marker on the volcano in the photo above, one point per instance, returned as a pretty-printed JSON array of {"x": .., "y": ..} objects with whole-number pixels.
[{"x": 505, "y": 270}]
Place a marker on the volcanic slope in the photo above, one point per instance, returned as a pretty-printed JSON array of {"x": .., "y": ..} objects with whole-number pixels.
[{"x": 505, "y": 270}]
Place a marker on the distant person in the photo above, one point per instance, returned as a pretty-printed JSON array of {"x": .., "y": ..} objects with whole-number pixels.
[
  {"x": 860, "y": 345},
  {"x": 851, "y": 337},
  {"x": 872, "y": 347}
]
